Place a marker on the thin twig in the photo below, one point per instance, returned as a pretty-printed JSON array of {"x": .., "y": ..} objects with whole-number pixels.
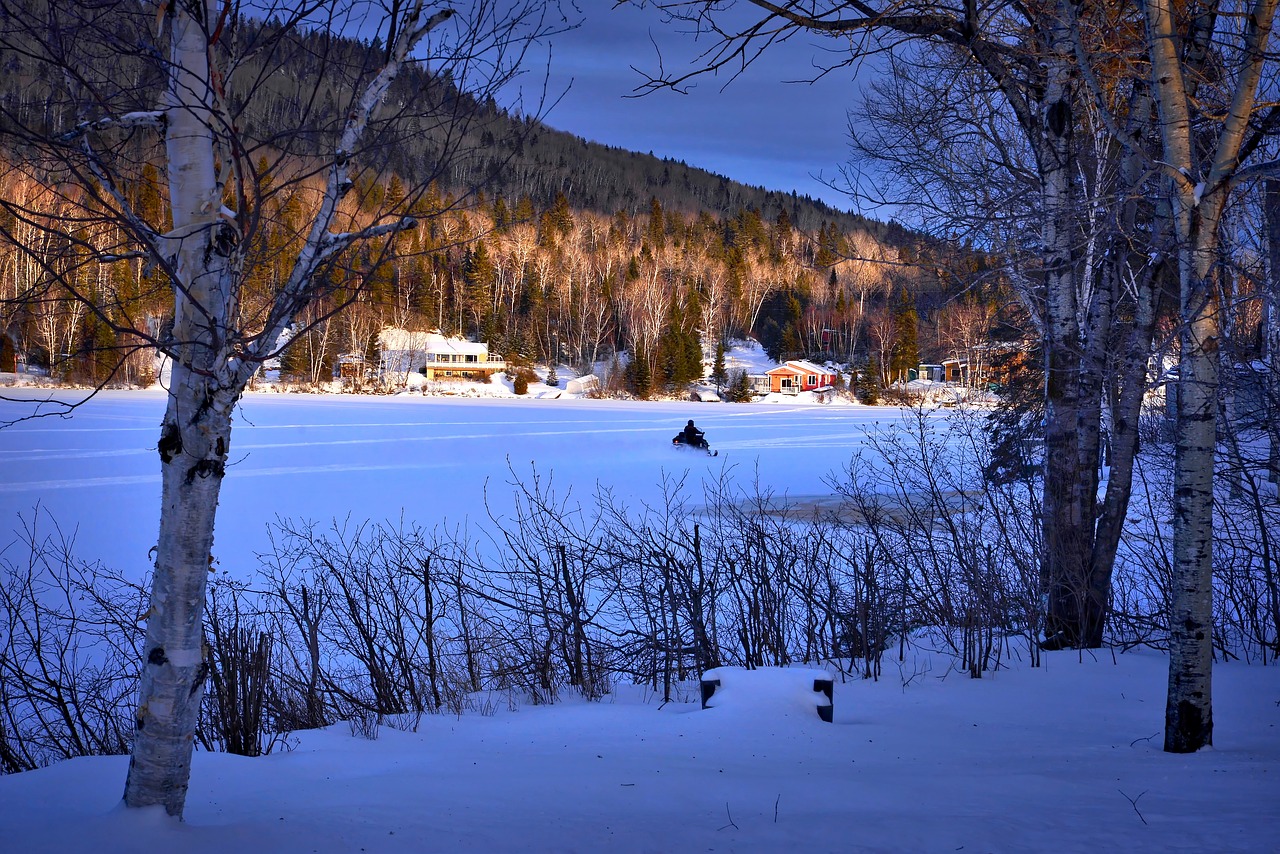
[
  {"x": 730, "y": 824},
  {"x": 1133, "y": 802}
]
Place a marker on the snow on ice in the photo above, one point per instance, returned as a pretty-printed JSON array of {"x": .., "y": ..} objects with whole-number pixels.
[{"x": 1061, "y": 758}]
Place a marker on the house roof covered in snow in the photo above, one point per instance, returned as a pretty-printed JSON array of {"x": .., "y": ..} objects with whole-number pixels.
[
  {"x": 392, "y": 338},
  {"x": 801, "y": 366}
]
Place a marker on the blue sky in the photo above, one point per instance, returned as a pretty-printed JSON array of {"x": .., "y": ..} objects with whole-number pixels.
[
  {"x": 758, "y": 129},
  {"x": 765, "y": 127}
]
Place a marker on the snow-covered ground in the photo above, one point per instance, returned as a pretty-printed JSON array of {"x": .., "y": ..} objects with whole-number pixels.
[
  {"x": 322, "y": 457},
  {"x": 1061, "y": 758}
]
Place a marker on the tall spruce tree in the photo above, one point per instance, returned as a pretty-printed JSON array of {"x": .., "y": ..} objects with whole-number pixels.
[{"x": 719, "y": 375}]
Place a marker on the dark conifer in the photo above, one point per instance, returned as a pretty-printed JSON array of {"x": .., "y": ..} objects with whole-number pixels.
[
  {"x": 718, "y": 374},
  {"x": 656, "y": 236},
  {"x": 906, "y": 349}
]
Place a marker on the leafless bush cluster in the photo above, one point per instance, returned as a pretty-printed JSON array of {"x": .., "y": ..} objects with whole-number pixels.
[
  {"x": 955, "y": 552},
  {"x": 369, "y": 619},
  {"x": 1246, "y": 613},
  {"x": 70, "y": 648},
  {"x": 238, "y": 660},
  {"x": 561, "y": 593}
]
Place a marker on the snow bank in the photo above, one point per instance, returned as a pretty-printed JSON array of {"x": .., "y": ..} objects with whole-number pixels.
[
  {"x": 830, "y": 397},
  {"x": 768, "y": 691},
  {"x": 1063, "y": 758}
]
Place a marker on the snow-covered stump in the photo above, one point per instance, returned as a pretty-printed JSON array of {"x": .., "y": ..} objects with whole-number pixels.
[{"x": 781, "y": 689}]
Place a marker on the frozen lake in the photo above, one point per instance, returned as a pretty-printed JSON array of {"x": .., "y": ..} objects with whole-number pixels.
[
  {"x": 322, "y": 457},
  {"x": 1064, "y": 757}
]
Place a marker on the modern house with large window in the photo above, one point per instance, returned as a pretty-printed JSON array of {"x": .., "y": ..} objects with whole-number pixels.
[{"x": 402, "y": 352}]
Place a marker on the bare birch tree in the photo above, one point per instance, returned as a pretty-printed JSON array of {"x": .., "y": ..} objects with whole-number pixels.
[
  {"x": 967, "y": 166},
  {"x": 107, "y": 64},
  {"x": 1202, "y": 163}
]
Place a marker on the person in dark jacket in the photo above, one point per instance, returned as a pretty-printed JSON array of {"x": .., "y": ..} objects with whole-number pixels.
[{"x": 692, "y": 435}]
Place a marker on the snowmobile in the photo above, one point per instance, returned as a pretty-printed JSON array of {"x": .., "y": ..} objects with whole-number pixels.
[{"x": 680, "y": 439}]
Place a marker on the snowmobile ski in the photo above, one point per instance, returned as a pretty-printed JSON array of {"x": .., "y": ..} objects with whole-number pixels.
[{"x": 681, "y": 441}]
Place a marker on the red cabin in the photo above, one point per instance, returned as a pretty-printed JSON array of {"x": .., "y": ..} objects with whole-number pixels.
[{"x": 800, "y": 375}]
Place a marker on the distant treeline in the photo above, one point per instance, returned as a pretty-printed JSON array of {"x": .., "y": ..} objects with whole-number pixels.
[{"x": 531, "y": 281}]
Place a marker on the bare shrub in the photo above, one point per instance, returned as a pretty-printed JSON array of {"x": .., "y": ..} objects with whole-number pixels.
[
  {"x": 350, "y": 594},
  {"x": 69, "y": 650},
  {"x": 238, "y": 655},
  {"x": 364, "y": 723},
  {"x": 550, "y": 553},
  {"x": 959, "y": 552}
]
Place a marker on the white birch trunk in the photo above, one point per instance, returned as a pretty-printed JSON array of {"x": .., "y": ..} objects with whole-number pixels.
[
  {"x": 1189, "y": 706},
  {"x": 194, "y": 439},
  {"x": 1198, "y": 197},
  {"x": 1066, "y": 540},
  {"x": 208, "y": 377}
]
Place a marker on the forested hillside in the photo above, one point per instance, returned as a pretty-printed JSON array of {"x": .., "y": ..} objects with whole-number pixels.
[
  {"x": 511, "y": 155},
  {"x": 532, "y": 239},
  {"x": 660, "y": 285}
]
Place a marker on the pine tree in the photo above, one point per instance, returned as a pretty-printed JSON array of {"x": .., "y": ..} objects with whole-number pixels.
[
  {"x": 524, "y": 210},
  {"x": 501, "y": 215},
  {"x": 827, "y": 237},
  {"x": 478, "y": 275},
  {"x": 906, "y": 350},
  {"x": 395, "y": 190},
  {"x": 871, "y": 388},
  {"x": 103, "y": 346},
  {"x": 381, "y": 275},
  {"x": 790, "y": 345},
  {"x": 692, "y": 357},
  {"x": 639, "y": 378},
  {"x": 562, "y": 216},
  {"x": 656, "y": 236},
  {"x": 491, "y": 328},
  {"x": 782, "y": 228},
  {"x": 718, "y": 374}
]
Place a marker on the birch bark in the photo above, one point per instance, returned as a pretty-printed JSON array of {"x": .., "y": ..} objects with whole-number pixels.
[
  {"x": 195, "y": 435},
  {"x": 212, "y": 364},
  {"x": 1198, "y": 197},
  {"x": 1067, "y": 522}
]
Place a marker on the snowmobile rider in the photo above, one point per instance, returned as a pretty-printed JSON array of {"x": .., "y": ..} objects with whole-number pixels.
[{"x": 692, "y": 435}]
